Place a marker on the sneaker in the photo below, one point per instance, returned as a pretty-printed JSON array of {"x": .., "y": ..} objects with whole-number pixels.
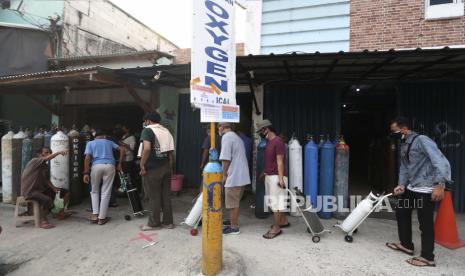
[{"x": 231, "y": 231}]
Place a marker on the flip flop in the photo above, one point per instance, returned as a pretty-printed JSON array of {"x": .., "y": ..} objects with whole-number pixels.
[
  {"x": 283, "y": 226},
  {"x": 421, "y": 262},
  {"x": 396, "y": 247},
  {"x": 65, "y": 216},
  {"x": 270, "y": 235},
  {"x": 46, "y": 225}
]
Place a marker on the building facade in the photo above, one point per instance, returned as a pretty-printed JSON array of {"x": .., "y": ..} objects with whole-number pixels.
[
  {"x": 304, "y": 26},
  {"x": 397, "y": 24},
  {"x": 34, "y": 31}
]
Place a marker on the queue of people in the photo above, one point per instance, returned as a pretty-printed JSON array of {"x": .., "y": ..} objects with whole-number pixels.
[{"x": 423, "y": 174}]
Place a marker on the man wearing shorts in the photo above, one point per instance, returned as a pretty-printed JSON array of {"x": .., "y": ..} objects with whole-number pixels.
[
  {"x": 35, "y": 185},
  {"x": 275, "y": 178},
  {"x": 235, "y": 173}
]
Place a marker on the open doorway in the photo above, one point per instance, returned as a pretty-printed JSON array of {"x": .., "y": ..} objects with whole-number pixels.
[{"x": 366, "y": 113}]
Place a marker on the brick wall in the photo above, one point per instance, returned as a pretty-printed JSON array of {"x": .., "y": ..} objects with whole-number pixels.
[{"x": 386, "y": 24}]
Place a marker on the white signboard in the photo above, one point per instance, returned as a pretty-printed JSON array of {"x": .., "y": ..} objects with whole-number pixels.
[
  {"x": 213, "y": 69},
  {"x": 219, "y": 113}
]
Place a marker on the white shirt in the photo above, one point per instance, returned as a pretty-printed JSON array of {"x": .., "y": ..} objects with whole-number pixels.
[{"x": 130, "y": 141}]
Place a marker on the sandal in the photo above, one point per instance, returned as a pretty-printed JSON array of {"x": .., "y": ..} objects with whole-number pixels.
[
  {"x": 283, "y": 226},
  {"x": 269, "y": 235},
  {"x": 149, "y": 228},
  {"x": 420, "y": 261},
  {"x": 64, "y": 216},
  {"x": 46, "y": 225},
  {"x": 103, "y": 221},
  {"x": 396, "y": 247}
]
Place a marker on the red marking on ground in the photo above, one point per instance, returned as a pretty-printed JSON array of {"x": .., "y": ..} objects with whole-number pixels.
[{"x": 143, "y": 236}]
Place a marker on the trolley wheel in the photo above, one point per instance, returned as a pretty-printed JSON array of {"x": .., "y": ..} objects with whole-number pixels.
[
  {"x": 356, "y": 231},
  {"x": 194, "y": 232},
  {"x": 316, "y": 239},
  {"x": 127, "y": 217},
  {"x": 348, "y": 238},
  {"x": 308, "y": 230}
]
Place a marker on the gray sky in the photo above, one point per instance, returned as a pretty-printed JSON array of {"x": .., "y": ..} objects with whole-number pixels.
[{"x": 173, "y": 18}]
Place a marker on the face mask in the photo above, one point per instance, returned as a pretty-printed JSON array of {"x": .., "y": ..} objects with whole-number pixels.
[
  {"x": 397, "y": 135},
  {"x": 220, "y": 133},
  {"x": 263, "y": 135}
]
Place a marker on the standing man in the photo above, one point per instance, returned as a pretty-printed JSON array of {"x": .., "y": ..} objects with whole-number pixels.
[
  {"x": 99, "y": 152},
  {"x": 423, "y": 172},
  {"x": 128, "y": 141},
  {"x": 235, "y": 173},
  {"x": 156, "y": 169},
  {"x": 275, "y": 178},
  {"x": 35, "y": 185}
]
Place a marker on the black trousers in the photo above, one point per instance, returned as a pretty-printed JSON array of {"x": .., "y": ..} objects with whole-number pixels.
[{"x": 425, "y": 210}]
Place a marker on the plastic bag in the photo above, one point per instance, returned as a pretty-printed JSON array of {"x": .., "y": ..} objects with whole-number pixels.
[{"x": 58, "y": 204}]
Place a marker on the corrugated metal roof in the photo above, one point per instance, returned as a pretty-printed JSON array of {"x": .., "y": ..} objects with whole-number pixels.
[
  {"x": 116, "y": 55},
  {"x": 341, "y": 67},
  {"x": 48, "y": 73}
]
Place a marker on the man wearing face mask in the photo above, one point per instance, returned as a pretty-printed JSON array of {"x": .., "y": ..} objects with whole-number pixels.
[
  {"x": 156, "y": 168},
  {"x": 275, "y": 178},
  {"x": 235, "y": 173},
  {"x": 423, "y": 172}
]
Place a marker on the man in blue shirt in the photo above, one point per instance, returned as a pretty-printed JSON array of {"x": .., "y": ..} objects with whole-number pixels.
[
  {"x": 423, "y": 172},
  {"x": 99, "y": 152}
]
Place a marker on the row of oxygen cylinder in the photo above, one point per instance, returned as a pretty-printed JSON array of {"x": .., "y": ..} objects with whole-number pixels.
[
  {"x": 65, "y": 171},
  {"x": 318, "y": 170}
]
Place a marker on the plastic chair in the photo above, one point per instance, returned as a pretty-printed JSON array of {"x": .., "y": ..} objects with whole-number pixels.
[{"x": 36, "y": 211}]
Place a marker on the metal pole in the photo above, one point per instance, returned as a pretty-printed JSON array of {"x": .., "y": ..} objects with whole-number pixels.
[{"x": 212, "y": 233}]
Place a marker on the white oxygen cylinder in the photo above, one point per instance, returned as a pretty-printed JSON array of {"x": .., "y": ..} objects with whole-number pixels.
[
  {"x": 59, "y": 166},
  {"x": 16, "y": 154},
  {"x": 7, "y": 172},
  {"x": 359, "y": 213},
  {"x": 295, "y": 171},
  {"x": 195, "y": 213}
]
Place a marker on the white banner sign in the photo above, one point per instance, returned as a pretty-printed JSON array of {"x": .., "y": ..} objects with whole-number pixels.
[
  {"x": 219, "y": 113},
  {"x": 213, "y": 69}
]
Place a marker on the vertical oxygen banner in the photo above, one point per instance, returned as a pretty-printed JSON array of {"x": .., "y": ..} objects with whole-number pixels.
[{"x": 213, "y": 69}]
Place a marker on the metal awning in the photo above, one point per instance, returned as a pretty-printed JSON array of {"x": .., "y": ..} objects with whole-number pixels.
[
  {"x": 358, "y": 67},
  {"x": 343, "y": 67},
  {"x": 55, "y": 82}
]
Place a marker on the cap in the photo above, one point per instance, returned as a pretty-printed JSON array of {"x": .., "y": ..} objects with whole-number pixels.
[{"x": 261, "y": 125}]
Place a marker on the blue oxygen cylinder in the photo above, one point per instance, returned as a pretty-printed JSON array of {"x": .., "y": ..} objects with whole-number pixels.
[
  {"x": 260, "y": 210},
  {"x": 326, "y": 175},
  {"x": 26, "y": 153},
  {"x": 311, "y": 171},
  {"x": 322, "y": 141}
]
